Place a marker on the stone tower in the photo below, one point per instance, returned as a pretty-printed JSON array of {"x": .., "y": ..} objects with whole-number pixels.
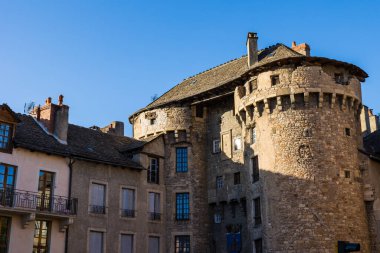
[{"x": 272, "y": 144}]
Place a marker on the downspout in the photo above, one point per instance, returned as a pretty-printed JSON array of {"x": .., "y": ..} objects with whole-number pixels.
[{"x": 71, "y": 163}]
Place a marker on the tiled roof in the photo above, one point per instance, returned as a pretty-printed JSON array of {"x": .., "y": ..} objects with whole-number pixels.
[
  {"x": 82, "y": 143},
  {"x": 372, "y": 143},
  {"x": 219, "y": 75}
]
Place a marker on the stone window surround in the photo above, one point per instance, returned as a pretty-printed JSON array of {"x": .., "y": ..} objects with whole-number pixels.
[
  {"x": 174, "y": 234},
  {"x": 214, "y": 150},
  {"x": 189, "y": 160},
  {"x": 150, "y": 157},
  {"x": 237, "y": 137},
  {"x": 96, "y": 229},
  {"x": 148, "y": 190},
  {"x": 127, "y": 232},
  {"x": 121, "y": 187},
  {"x": 97, "y": 181},
  {"x": 159, "y": 236},
  {"x": 174, "y": 198}
]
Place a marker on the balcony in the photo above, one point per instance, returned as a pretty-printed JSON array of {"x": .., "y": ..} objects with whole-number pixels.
[
  {"x": 25, "y": 201},
  {"x": 154, "y": 216},
  {"x": 128, "y": 213},
  {"x": 97, "y": 209}
]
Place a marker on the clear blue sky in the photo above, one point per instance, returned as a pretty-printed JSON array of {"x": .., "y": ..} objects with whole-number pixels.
[{"x": 108, "y": 58}]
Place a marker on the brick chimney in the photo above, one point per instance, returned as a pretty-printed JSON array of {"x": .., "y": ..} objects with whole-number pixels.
[
  {"x": 252, "y": 48},
  {"x": 55, "y": 118},
  {"x": 115, "y": 128},
  {"x": 301, "y": 48}
]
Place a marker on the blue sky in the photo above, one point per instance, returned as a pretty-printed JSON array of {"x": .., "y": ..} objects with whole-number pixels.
[{"x": 108, "y": 58}]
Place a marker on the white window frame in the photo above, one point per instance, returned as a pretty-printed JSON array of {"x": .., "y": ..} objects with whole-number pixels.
[
  {"x": 239, "y": 146},
  {"x": 216, "y": 148}
]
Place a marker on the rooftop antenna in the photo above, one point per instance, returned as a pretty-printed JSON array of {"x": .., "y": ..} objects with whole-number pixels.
[{"x": 28, "y": 107}]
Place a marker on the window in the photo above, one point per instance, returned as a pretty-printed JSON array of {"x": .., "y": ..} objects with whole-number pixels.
[
  {"x": 252, "y": 85},
  {"x": 347, "y": 174},
  {"x": 154, "y": 206},
  {"x": 181, "y": 159},
  {"x": 237, "y": 143},
  {"x": 182, "y": 244},
  {"x": 219, "y": 182},
  {"x": 217, "y": 218},
  {"x": 152, "y": 121},
  {"x": 275, "y": 79},
  {"x": 98, "y": 198},
  {"x": 237, "y": 178},
  {"x": 199, "y": 111},
  {"x": 257, "y": 210},
  {"x": 182, "y": 206},
  {"x": 153, "y": 171},
  {"x": 126, "y": 243},
  {"x": 5, "y": 136},
  {"x": 253, "y": 135},
  {"x": 258, "y": 245},
  {"x": 255, "y": 169},
  {"x": 45, "y": 190},
  {"x": 4, "y": 233},
  {"x": 233, "y": 209},
  {"x": 96, "y": 242},
  {"x": 339, "y": 78},
  {"x": 154, "y": 244},
  {"x": 347, "y": 131},
  {"x": 216, "y": 146},
  {"x": 7, "y": 182},
  {"x": 41, "y": 236},
  {"x": 128, "y": 202}
]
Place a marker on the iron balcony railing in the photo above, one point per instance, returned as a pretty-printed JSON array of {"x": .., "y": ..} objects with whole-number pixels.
[
  {"x": 154, "y": 216},
  {"x": 46, "y": 203},
  {"x": 130, "y": 213},
  {"x": 97, "y": 209}
]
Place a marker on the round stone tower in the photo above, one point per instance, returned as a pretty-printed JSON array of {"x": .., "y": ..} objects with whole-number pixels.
[{"x": 305, "y": 113}]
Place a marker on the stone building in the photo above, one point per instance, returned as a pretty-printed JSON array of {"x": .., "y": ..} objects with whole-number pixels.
[{"x": 268, "y": 151}]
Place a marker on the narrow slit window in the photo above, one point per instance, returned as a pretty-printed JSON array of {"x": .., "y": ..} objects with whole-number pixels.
[{"x": 275, "y": 80}]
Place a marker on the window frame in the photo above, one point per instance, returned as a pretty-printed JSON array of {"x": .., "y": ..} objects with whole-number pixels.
[
  {"x": 258, "y": 243},
  {"x": 155, "y": 237},
  {"x": 255, "y": 169},
  {"x": 122, "y": 233},
  {"x": 182, "y": 209},
  {"x": 253, "y": 135},
  {"x": 182, "y": 159},
  {"x": 257, "y": 211},
  {"x": 48, "y": 234},
  {"x": 153, "y": 176},
  {"x": 235, "y": 148},
  {"x": 274, "y": 80},
  {"x": 214, "y": 149},
  {"x": 237, "y": 178},
  {"x": 219, "y": 182},
  {"x": 156, "y": 214},
  {"x": 183, "y": 246},
  {"x": 96, "y": 230},
  {"x": 9, "y": 147},
  {"x": 128, "y": 213},
  {"x": 105, "y": 184},
  {"x": 7, "y": 235}
]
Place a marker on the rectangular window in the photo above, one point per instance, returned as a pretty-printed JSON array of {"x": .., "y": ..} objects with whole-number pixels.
[
  {"x": 339, "y": 78},
  {"x": 5, "y": 136},
  {"x": 199, "y": 111},
  {"x": 41, "y": 236},
  {"x": 126, "y": 243},
  {"x": 182, "y": 244},
  {"x": 182, "y": 206},
  {"x": 257, "y": 210},
  {"x": 347, "y": 131},
  {"x": 96, "y": 242},
  {"x": 154, "y": 244},
  {"x": 237, "y": 178},
  {"x": 152, "y": 121},
  {"x": 5, "y": 223},
  {"x": 181, "y": 159},
  {"x": 7, "y": 182},
  {"x": 258, "y": 245},
  {"x": 347, "y": 174},
  {"x": 219, "y": 182},
  {"x": 98, "y": 198},
  {"x": 275, "y": 79},
  {"x": 255, "y": 169},
  {"x": 253, "y": 135},
  {"x": 237, "y": 143},
  {"x": 45, "y": 190},
  {"x": 128, "y": 202},
  {"x": 217, "y": 218},
  {"x": 154, "y": 206},
  {"x": 153, "y": 171},
  {"x": 216, "y": 146}
]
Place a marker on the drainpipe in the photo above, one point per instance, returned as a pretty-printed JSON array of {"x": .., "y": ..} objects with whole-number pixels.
[{"x": 71, "y": 163}]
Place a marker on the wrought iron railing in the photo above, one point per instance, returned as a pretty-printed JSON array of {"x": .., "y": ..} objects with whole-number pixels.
[
  {"x": 97, "y": 209},
  {"x": 130, "y": 213},
  {"x": 154, "y": 216},
  {"x": 39, "y": 202}
]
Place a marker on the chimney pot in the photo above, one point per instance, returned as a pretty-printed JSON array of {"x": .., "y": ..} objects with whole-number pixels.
[
  {"x": 252, "y": 52},
  {"x": 60, "y": 100},
  {"x": 301, "y": 48},
  {"x": 38, "y": 113},
  {"x": 294, "y": 44},
  {"x": 48, "y": 100}
]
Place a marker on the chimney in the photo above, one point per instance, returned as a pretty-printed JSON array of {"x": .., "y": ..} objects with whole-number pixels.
[
  {"x": 252, "y": 48},
  {"x": 301, "y": 48},
  {"x": 115, "y": 128},
  {"x": 55, "y": 118}
]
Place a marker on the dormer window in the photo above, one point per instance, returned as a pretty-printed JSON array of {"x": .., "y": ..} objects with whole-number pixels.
[{"x": 6, "y": 131}]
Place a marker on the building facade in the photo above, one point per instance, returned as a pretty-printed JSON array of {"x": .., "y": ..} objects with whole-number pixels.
[{"x": 271, "y": 142}]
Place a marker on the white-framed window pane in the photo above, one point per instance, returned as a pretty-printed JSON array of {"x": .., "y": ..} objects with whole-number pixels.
[
  {"x": 154, "y": 244},
  {"x": 237, "y": 143},
  {"x": 126, "y": 243},
  {"x": 216, "y": 146},
  {"x": 96, "y": 242}
]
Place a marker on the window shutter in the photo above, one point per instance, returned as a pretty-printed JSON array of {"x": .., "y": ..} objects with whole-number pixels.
[
  {"x": 126, "y": 244},
  {"x": 96, "y": 242}
]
